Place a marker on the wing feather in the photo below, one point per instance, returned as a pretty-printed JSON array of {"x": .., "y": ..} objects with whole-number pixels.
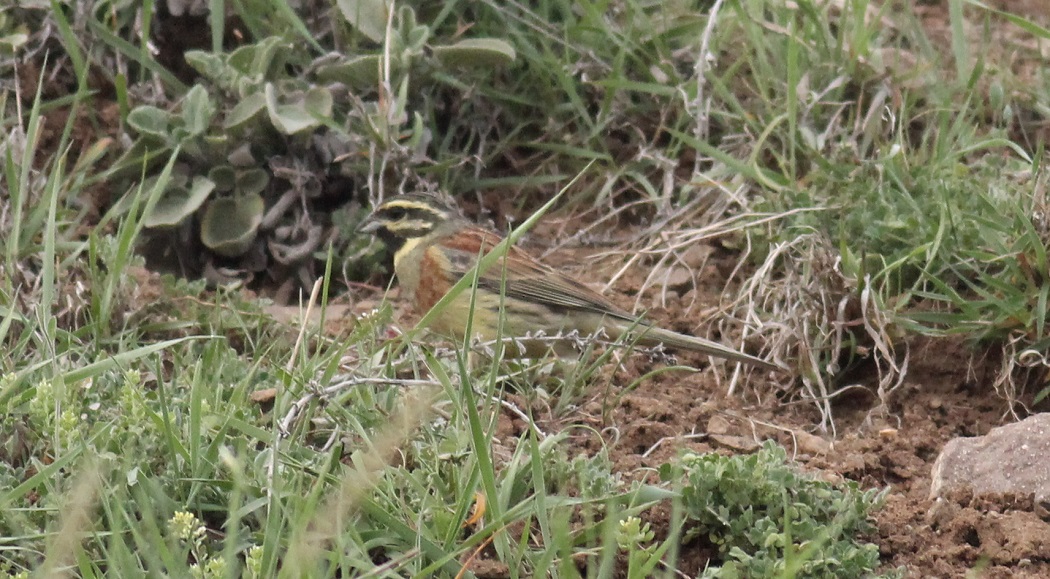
[{"x": 525, "y": 278}]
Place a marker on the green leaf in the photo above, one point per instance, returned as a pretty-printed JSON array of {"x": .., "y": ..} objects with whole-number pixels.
[
  {"x": 288, "y": 119},
  {"x": 252, "y": 181},
  {"x": 318, "y": 101},
  {"x": 369, "y": 17},
  {"x": 197, "y": 111},
  {"x": 242, "y": 58},
  {"x": 150, "y": 120},
  {"x": 413, "y": 37},
  {"x": 1041, "y": 395},
  {"x": 291, "y": 119},
  {"x": 476, "y": 52},
  {"x": 211, "y": 66},
  {"x": 224, "y": 176},
  {"x": 417, "y": 38},
  {"x": 245, "y": 111},
  {"x": 256, "y": 60},
  {"x": 178, "y": 203},
  {"x": 230, "y": 224},
  {"x": 362, "y": 71}
]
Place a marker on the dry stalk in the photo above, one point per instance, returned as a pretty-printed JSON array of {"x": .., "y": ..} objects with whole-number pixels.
[
  {"x": 815, "y": 308},
  {"x": 1016, "y": 368},
  {"x": 308, "y": 545},
  {"x": 75, "y": 523}
]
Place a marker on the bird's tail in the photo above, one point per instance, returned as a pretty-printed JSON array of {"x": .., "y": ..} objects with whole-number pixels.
[{"x": 652, "y": 335}]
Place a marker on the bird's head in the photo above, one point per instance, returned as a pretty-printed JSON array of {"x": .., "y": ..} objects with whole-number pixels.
[{"x": 408, "y": 217}]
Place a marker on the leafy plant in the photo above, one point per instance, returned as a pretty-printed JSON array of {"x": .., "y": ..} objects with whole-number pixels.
[
  {"x": 769, "y": 520},
  {"x": 270, "y": 133}
]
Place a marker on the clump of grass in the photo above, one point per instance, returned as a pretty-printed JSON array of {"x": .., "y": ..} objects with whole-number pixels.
[{"x": 865, "y": 189}]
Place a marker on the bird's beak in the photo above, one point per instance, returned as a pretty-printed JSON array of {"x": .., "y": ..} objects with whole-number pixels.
[{"x": 368, "y": 226}]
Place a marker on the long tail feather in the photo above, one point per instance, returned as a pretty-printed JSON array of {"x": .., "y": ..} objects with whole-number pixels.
[{"x": 653, "y": 335}]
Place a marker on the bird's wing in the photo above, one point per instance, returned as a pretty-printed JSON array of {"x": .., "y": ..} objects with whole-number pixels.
[{"x": 524, "y": 277}]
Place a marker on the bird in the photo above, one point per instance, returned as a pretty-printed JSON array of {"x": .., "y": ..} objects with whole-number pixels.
[{"x": 434, "y": 246}]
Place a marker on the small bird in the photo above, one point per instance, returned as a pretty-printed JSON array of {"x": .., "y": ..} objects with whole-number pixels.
[{"x": 434, "y": 246}]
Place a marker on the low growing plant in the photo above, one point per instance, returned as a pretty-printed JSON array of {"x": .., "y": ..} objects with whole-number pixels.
[
  {"x": 273, "y": 138},
  {"x": 768, "y": 519}
]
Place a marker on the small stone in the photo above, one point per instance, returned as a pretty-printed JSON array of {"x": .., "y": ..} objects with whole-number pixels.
[
  {"x": 832, "y": 477},
  {"x": 263, "y": 396},
  {"x": 735, "y": 442},
  {"x": 812, "y": 444},
  {"x": 717, "y": 425},
  {"x": 697, "y": 255},
  {"x": 679, "y": 280}
]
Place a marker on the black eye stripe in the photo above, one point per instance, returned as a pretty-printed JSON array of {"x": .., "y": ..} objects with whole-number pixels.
[{"x": 399, "y": 212}]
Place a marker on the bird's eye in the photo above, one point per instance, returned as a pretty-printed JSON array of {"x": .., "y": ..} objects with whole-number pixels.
[{"x": 396, "y": 213}]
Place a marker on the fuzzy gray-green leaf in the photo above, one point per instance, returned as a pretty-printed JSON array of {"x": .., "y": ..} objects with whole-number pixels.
[
  {"x": 211, "y": 66},
  {"x": 197, "y": 111},
  {"x": 252, "y": 181},
  {"x": 361, "y": 71},
  {"x": 224, "y": 177},
  {"x": 476, "y": 52},
  {"x": 178, "y": 203},
  {"x": 257, "y": 60},
  {"x": 245, "y": 111},
  {"x": 318, "y": 101},
  {"x": 150, "y": 120},
  {"x": 367, "y": 16},
  {"x": 230, "y": 224},
  {"x": 290, "y": 118}
]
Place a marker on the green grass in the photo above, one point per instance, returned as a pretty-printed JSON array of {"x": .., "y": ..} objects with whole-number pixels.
[{"x": 878, "y": 183}]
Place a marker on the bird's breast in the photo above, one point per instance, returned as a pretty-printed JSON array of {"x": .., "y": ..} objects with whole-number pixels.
[{"x": 434, "y": 271}]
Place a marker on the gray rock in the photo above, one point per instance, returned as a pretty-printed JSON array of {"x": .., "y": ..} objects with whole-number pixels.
[{"x": 1012, "y": 459}]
